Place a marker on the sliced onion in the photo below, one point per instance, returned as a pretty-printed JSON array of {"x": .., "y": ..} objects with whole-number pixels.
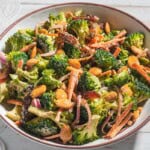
[
  {"x": 36, "y": 103},
  {"x": 51, "y": 53},
  {"x": 77, "y": 119},
  {"x": 58, "y": 115},
  {"x": 2, "y": 57}
]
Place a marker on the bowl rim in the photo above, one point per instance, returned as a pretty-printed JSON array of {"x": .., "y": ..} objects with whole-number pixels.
[{"x": 33, "y": 138}]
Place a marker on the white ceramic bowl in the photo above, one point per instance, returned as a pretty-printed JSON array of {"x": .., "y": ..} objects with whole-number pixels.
[{"x": 118, "y": 20}]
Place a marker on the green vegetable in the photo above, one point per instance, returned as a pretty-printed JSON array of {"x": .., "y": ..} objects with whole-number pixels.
[
  {"x": 88, "y": 82},
  {"x": 141, "y": 90},
  {"x": 83, "y": 115},
  {"x": 71, "y": 51},
  {"x": 54, "y": 19},
  {"x": 42, "y": 63},
  {"x": 18, "y": 40},
  {"x": 31, "y": 76},
  {"x": 15, "y": 56},
  {"x": 41, "y": 127},
  {"x": 123, "y": 56},
  {"x": 46, "y": 43},
  {"x": 3, "y": 91},
  {"x": 59, "y": 64},
  {"x": 49, "y": 79},
  {"x": 16, "y": 87},
  {"x": 87, "y": 133},
  {"x": 66, "y": 117},
  {"x": 144, "y": 61},
  {"x": 121, "y": 78},
  {"x": 47, "y": 100},
  {"x": 109, "y": 82},
  {"x": 134, "y": 39},
  {"x": 105, "y": 59},
  {"x": 101, "y": 107},
  {"x": 80, "y": 29}
]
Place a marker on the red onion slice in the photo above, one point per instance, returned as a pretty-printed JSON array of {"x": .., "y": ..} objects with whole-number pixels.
[
  {"x": 36, "y": 103},
  {"x": 2, "y": 57}
]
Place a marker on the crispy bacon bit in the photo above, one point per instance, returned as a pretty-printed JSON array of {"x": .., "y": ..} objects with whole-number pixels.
[
  {"x": 91, "y": 95},
  {"x": 69, "y": 38}
]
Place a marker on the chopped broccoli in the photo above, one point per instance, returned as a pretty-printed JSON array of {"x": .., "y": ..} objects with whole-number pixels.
[
  {"x": 45, "y": 42},
  {"x": 41, "y": 127},
  {"x": 30, "y": 76},
  {"x": 121, "y": 78},
  {"x": 144, "y": 61},
  {"x": 15, "y": 56},
  {"x": 47, "y": 100},
  {"x": 101, "y": 107},
  {"x": 87, "y": 133},
  {"x": 18, "y": 40},
  {"x": 3, "y": 91},
  {"x": 123, "y": 56},
  {"x": 49, "y": 80},
  {"x": 80, "y": 29},
  {"x": 88, "y": 82},
  {"x": 134, "y": 39},
  {"x": 42, "y": 63},
  {"x": 16, "y": 87},
  {"x": 83, "y": 115},
  {"x": 118, "y": 79},
  {"x": 105, "y": 59},
  {"x": 71, "y": 51},
  {"x": 141, "y": 90},
  {"x": 59, "y": 64},
  {"x": 15, "y": 113},
  {"x": 109, "y": 82},
  {"x": 54, "y": 19},
  {"x": 67, "y": 117}
]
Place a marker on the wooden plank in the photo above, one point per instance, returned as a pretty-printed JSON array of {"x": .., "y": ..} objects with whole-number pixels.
[{"x": 106, "y": 2}]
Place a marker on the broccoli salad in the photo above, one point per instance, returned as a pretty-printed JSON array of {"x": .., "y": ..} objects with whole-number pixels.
[{"x": 73, "y": 79}]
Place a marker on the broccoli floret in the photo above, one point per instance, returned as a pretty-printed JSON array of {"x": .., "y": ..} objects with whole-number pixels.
[
  {"x": 123, "y": 56},
  {"x": 101, "y": 107},
  {"x": 88, "y": 82},
  {"x": 3, "y": 91},
  {"x": 47, "y": 100},
  {"x": 144, "y": 61},
  {"x": 59, "y": 64},
  {"x": 134, "y": 39},
  {"x": 42, "y": 63},
  {"x": 18, "y": 40},
  {"x": 67, "y": 117},
  {"x": 31, "y": 76},
  {"x": 83, "y": 115},
  {"x": 109, "y": 82},
  {"x": 71, "y": 51},
  {"x": 141, "y": 90},
  {"x": 80, "y": 29},
  {"x": 121, "y": 78},
  {"x": 16, "y": 87},
  {"x": 87, "y": 133},
  {"x": 54, "y": 19},
  {"x": 49, "y": 80},
  {"x": 118, "y": 79},
  {"x": 41, "y": 127},
  {"x": 15, "y": 56},
  {"x": 45, "y": 42},
  {"x": 105, "y": 59}
]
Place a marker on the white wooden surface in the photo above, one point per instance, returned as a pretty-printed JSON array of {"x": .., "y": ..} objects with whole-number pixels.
[{"x": 10, "y": 10}]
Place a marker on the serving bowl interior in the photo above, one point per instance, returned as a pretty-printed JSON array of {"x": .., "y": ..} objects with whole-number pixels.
[{"x": 117, "y": 20}]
